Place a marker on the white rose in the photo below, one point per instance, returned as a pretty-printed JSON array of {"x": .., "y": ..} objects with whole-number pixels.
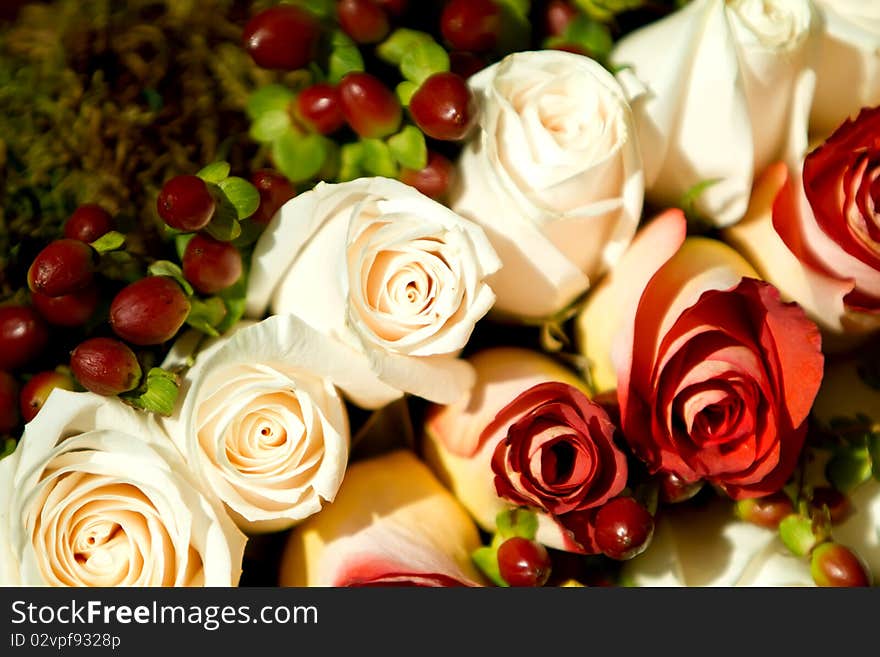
[
  {"x": 729, "y": 91},
  {"x": 395, "y": 276},
  {"x": 96, "y": 494},
  {"x": 553, "y": 174},
  {"x": 708, "y": 546},
  {"x": 260, "y": 420},
  {"x": 848, "y": 72}
]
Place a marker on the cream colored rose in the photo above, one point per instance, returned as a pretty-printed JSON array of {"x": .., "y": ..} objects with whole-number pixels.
[
  {"x": 729, "y": 91},
  {"x": 392, "y": 524},
  {"x": 395, "y": 276},
  {"x": 96, "y": 494},
  {"x": 708, "y": 546},
  {"x": 261, "y": 421},
  {"x": 848, "y": 71},
  {"x": 553, "y": 174}
]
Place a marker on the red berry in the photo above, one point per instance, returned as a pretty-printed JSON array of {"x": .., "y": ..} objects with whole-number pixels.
[
  {"x": 471, "y": 24},
  {"x": 623, "y": 528},
  {"x": 765, "y": 511},
  {"x": 674, "y": 489},
  {"x": 363, "y": 20},
  {"x": 838, "y": 504},
  {"x": 465, "y": 64},
  {"x": 320, "y": 108},
  {"x": 36, "y": 391},
  {"x": 105, "y": 366},
  {"x": 557, "y": 16},
  {"x": 370, "y": 108},
  {"x": 393, "y": 7},
  {"x": 210, "y": 265},
  {"x": 62, "y": 267},
  {"x": 87, "y": 223},
  {"x": 832, "y": 564},
  {"x": 522, "y": 562},
  {"x": 8, "y": 402},
  {"x": 185, "y": 203},
  {"x": 23, "y": 335},
  {"x": 434, "y": 179},
  {"x": 149, "y": 311},
  {"x": 443, "y": 107},
  {"x": 69, "y": 310},
  {"x": 275, "y": 190},
  {"x": 283, "y": 37}
]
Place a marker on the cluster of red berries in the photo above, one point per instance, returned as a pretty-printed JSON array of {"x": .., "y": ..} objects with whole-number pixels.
[{"x": 67, "y": 293}]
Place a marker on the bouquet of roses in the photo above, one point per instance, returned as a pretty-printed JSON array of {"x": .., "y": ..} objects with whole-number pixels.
[{"x": 550, "y": 293}]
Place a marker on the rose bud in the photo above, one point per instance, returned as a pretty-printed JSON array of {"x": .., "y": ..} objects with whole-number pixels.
[
  {"x": 105, "y": 366},
  {"x": 410, "y": 288},
  {"x": 95, "y": 495},
  {"x": 724, "y": 104},
  {"x": 63, "y": 267},
  {"x": 262, "y": 422},
  {"x": 846, "y": 394},
  {"x": 87, "y": 223},
  {"x": 23, "y": 336},
  {"x": 706, "y": 545},
  {"x": 392, "y": 524},
  {"x": 809, "y": 232},
  {"x": 672, "y": 329},
  {"x": 8, "y": 402},
  {"x": 35, "y": 392},
  {"x": 149, "y": 311},
  {"x": 527, "y": 435},
  {"x": 553, "y": 174},
  {"x": 848, "y": 72}
]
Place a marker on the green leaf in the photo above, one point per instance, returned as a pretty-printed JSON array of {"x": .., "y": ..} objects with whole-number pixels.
[
  {"x": 517, "y": 522},
  {"x": 345, "y": 57},
  {"x": 319, "y": 8},
  {"x": 119, "y": 266},
  {"x": 399, "y": 42},
  {"x": 299, "y": 157},
  {"x": 233, "y": 298},
  {"x": 206, "y": 315},
  {"x": 214, "y": 173},
  {"x": 423, "y": 60},
  {"x": 377, "y": 158},
  {"x": 409, "y": 148},
  {"x": 109, "y": 242},
  {"x": 250, "y": 233},
  {"x": 405, "y": 91},
  {"x": 516, "y": 28},
  {"x": 242, "y": 194},
  {"x": 180, "y": 243},
  {"x": 224, "y": 224},
  {"x": 158, "y": 394},
  {"x": 848, "y": 468},
  {"x": 168, "y": 268},
  {"x": 874, "y": 453},
  {"x": 350, "y": 157},
  {"x": 486, "y": 559},
  {"x": 7, "y": 447},
  {"x": 271, "y": 98},
  {"x": 270, "y": 126},
  {"x": 595, "y": 38}
]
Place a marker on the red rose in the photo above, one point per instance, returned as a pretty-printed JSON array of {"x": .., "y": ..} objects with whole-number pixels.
[
  {"x": 558, "y": 456},
  {"x": 715, "y": 374},
  {"x": 815, "y": 233},
  {"x": 842, "y": 183}
]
